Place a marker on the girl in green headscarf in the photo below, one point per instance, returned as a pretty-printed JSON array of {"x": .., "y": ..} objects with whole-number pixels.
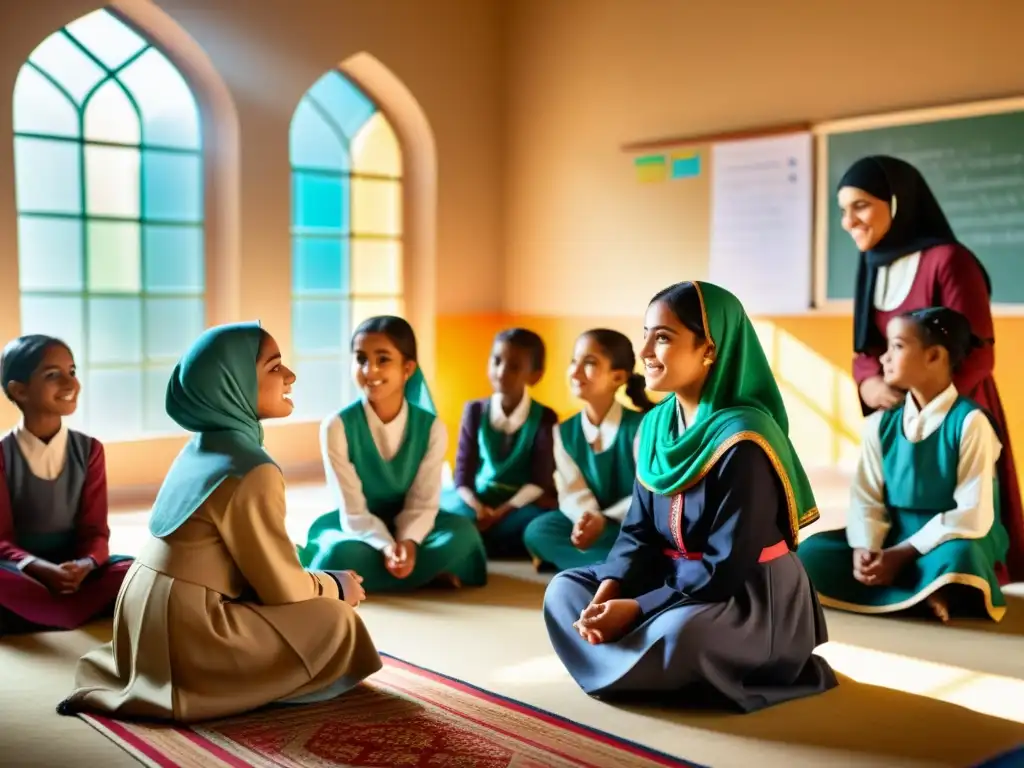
[
  {"x": 217, "y": 616},
  {"x": 383, "y": 456},
  {"x": 701, "y": 592}
]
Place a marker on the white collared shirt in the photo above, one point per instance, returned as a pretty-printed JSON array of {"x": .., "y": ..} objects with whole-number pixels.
[
  {"x": 422, "y": 500},
  {"x": 45, "y": 460},
  {"x": 894, "y": 282},
  {"x": 507, "y": 424},
  {"x": 574, "y": 495},
  {"x": 868, "y": 521}
]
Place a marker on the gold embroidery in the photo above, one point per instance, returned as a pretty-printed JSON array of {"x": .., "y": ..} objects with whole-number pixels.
[
  {"x": 795, "y": 523},
  {"x": 966, "y": 579}
]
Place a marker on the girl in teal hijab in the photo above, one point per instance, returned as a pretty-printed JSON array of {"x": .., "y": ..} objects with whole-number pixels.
[
  {"x": 383, "y": 457},
  {"x": 701, "y": 593},
  {"x": 220, "y": 572}
]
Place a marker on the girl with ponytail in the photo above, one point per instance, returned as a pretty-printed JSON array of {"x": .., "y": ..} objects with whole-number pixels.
[{"x": 595, "y": 455}]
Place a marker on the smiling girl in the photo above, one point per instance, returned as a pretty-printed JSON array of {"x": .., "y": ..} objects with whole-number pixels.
[
  {"x": 383, "y": 457},
  {"x": 217, "y": 616},
  {"x": 55, "y": 567},
  {"x": 702, "y": 596},
  {"x": 923, "y": 527},
  {"x": 595, "y": 455}
]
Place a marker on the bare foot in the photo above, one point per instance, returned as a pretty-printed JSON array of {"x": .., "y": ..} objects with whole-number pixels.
[
  {"x": 447, "y": 581},
  {"x": 937, "y": 602}
]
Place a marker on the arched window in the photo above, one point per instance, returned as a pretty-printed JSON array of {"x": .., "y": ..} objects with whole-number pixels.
[
  {"x": 109, "y": 183},
  {"x": 346, "y": 234}
]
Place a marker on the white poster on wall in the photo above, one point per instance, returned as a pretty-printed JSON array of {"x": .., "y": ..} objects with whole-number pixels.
[{"x": 761, "y": 222}]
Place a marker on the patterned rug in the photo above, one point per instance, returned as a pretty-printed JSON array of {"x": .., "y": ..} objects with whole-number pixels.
[{"x": 402, "y": 717}]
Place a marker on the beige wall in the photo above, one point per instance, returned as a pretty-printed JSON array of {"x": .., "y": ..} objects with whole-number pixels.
[
  {"x": 266, "y": 53},
  {"x": 586, "y": 76}
]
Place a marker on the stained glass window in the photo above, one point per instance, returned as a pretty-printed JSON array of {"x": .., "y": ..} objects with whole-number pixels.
[
  {"x": 109, "y": 184},
  {"x": 346, "y": 234}
]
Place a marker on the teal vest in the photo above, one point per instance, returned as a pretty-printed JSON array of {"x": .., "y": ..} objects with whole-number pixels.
[
  {"x": 922, "y": 477},
  {"x": 609, "y": 474},
  {"x": 385, "y": 483},
  {"x": 503, "y": 473}
]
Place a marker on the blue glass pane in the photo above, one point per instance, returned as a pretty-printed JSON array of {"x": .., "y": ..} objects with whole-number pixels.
[
  {"x": 314, "y": 144},
  {"x": 66, "y": 63},
  {"x": 321, "y": 387},
  {"x": 61, "y": 317},
  {"x": 170, "y": 115},
  {"x": 320, "y": 202},
  {"x": 49, "y": 254},
  {"x": 320, "y": 327},
  {"x": 113, "y": 403},
  {"x": 172, "y": 186},
  {"x": 154, "y": 412},
  {"x": 107, "y": 37},
  {"x": 173, "y": 259},
  {"x": 171, "y": 325},
  {"x": 348, "y": 106},
  {"x": 320, "y": 265},
  {"x": 48, "y": 175},
  {"x": 115, "y": 331},
  {"x": 39, "y": 107}
]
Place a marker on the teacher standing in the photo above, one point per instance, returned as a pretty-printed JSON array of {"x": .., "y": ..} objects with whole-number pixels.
[{"x": 910, "y": 259}]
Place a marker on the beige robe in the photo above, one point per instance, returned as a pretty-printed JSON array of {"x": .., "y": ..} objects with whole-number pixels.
[{"x": 219, "y": 618}]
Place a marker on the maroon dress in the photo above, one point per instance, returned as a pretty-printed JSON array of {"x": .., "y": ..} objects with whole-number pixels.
[
  {"x": 948, "y": 276},
  {"x": 57, "y": 520}
]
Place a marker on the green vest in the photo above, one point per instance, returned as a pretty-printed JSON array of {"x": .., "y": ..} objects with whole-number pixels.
[
  {"x": 503, "y": 473},
  {"x": 921, "y": 478},
  {"x": 385, "y": 483},
  {"x": 609, "y": 474}
]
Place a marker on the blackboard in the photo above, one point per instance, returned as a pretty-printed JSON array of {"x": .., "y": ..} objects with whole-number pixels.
[{"x": 975, "y": 166}]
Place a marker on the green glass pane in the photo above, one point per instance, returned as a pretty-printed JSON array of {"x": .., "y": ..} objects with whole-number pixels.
[
  {"x": 65, "y": 62},
  {"x": 321, "y": 387},
  {"x": 320, "y": 266},
  {"x": 115, "y": 331},
  {"x": 171, "y": 325},
  {"x": 49, "y": 254},
  {"x": 170, "y": 115},
  {"x": 62, "y": 317},
  {"x": 315, "y": 143},
  {"x": 154, "y": 412},
  {"x": 47, "y": 176},
  {"x": 320, "y": 203},
  {"x": 113, "y": 402},
  {"x": 112, "y": 181},
  {"x": 110, "y": 117},
  {"x": 39, "y": 107},
  {"x": 320, "y": 327},
  {"x": 172, "y": 186},
  {"x": 114, "y": 264},
  {"x": 106, "y": 37},
  {"x": 173, "y": 257}
]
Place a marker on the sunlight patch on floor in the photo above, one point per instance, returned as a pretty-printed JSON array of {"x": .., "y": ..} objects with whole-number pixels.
[
  {"x": 988, "y": 694},
  {"x": 540, "y": 670}
]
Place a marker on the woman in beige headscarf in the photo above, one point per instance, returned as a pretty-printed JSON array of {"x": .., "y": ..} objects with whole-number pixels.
[{"x": 217, "y": 616}]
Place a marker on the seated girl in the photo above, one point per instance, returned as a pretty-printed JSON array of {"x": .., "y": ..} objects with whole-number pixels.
[
  {"x": 383, "y": 457},
  {"x": 923, "y": 528},
  {"x": 595, "y": 455},
  {"x": 505, "y": 463},
  {"x": 56, "y": 571},
  {"x": 216, "y": 616},
  {"x": 701, "y": 599}
]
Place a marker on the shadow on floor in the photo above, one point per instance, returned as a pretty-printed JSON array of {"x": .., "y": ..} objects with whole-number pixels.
[{"x": 866, "y": 719}]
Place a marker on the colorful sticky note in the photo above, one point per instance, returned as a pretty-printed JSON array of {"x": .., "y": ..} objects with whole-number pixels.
[
  {"x": 685, "y": 166},
  {"x": 651, "y": 168}
]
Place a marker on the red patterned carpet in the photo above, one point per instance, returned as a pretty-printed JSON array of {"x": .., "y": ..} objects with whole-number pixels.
[{"x": 404, "y": 716}]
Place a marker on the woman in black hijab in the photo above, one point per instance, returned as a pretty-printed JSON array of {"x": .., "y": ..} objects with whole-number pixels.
[{"x": 910, "y": 259}]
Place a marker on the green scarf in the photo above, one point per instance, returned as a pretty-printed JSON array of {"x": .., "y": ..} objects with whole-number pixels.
[
  {"x": 740, "y": 401},
  {"x": 418, "y": 393},
  {"x": 212, "y": 392}
]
